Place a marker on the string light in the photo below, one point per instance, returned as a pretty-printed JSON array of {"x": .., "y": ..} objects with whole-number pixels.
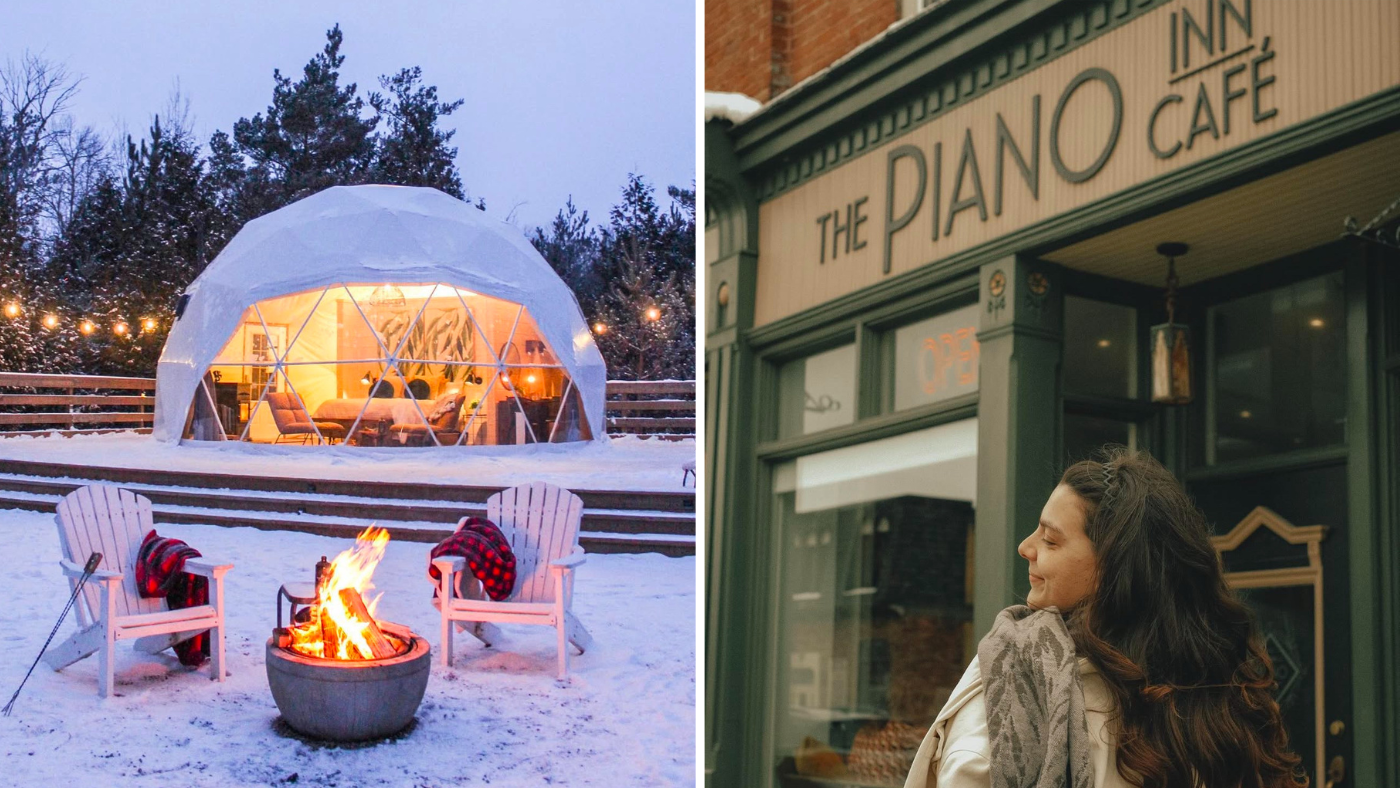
[
  {"x": 121, "y": 329},
  {"x": 50, "y": 321},
  {"x": 148, "y": 324},
  {"x": 653, "y": 313},
  {"x": 600, "y": 328},
  {"x": 12, "y": 309},
  {"x": 86, "y": 327}
]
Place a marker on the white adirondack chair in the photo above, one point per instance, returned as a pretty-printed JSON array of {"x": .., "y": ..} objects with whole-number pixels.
[
  {"x": 112, "y": 521},
  {"x": 541, "y": 523}
]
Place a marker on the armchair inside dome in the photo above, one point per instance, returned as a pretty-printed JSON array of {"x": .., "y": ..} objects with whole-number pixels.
[{"x": 387, "y": 365}]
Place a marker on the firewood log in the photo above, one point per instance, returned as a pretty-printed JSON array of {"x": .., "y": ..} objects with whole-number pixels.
[
  {"x": 330, "y": 636},
  {"x": 378, "y": 643}
]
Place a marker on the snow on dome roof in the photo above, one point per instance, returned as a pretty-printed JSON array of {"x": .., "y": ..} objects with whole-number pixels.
[{"x": 369, "y": 235}]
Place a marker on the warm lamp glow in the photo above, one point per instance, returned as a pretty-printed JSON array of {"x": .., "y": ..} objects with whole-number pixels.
[
  {"x": 530, "y": 378},
  {"x": 600, "y": 328},
  {"x": 653, "y": 313},
  {"x": 1316, "y": 322},
  {"x": 148, "y": 324},
  {"x": 1104, "y": 343},
  {"x": 86, "y": 327},
  {"x": 50, "y": 321},
  {"x": 12, "y": 309},
  {"x": 120, "y": 329}
]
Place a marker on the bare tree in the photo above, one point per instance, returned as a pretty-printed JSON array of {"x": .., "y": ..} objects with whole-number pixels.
[
  {"x": 79, "y": 160},
  {"x": 177, "y": 121},
  {"x": 34, "y": 96}
]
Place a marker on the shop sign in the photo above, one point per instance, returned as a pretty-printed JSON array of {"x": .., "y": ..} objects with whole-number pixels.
[
  {"x": 1216, "y": 86},
  {"x": 1185, "y": 82}
]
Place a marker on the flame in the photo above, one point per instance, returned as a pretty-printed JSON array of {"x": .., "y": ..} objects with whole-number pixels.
[{"x": 353, "y": 568}]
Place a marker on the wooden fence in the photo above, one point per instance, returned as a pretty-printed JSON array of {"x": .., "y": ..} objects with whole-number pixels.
[
  {"x": 664, "y": 408},
  {"x": 73, "y": 404}
]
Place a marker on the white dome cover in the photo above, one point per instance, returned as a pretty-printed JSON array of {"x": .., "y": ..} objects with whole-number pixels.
[{"x": 366, "y": 235}]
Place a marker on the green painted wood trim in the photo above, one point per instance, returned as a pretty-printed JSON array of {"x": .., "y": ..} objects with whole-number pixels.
[
  {"x": 1386, "y": 264},
  {"x": 715, "y": 643},
  {"x": 1343, "y": 127},
  {"x": 874, "y": 428},
  {"x": 945, "y": 297},
  {"x": 937, "y": 61},
  {"x": 1115, "y": 291},
  {"x": 761, "y": 608},
  {"x": 903, "y": 306},
  {"x": 870, "y": 370},
  {"x": 745, "y": 598},
  {"x": 1367, "y": 675},
  {"x": 1018, "y": 425},
  {"x": 729, "y": 526},
  {"x": 1118, "y": 408},
  {"x": 1302, "y": 459}
]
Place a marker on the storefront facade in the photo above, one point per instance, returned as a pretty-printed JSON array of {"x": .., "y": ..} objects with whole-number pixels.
[{"x": 931, "y": 273}]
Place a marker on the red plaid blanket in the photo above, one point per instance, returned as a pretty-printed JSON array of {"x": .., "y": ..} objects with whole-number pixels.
[
  {"x": 160, "y": 572},
  {"x": 488, "y": 556}
]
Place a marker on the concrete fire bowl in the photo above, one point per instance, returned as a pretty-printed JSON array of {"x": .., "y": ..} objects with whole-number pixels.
[{"x": 349, "y": 701}]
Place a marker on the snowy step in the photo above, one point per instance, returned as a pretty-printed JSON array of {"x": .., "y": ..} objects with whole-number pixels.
[
  {"x": 348, "y": 527},
  {"x": 651, "y": 500},
  {"x": 444, "y": 512}
]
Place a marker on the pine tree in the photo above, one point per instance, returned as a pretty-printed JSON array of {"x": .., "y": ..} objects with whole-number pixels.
[
  {"x": 646, "y": 263},
  {"x": 415, "y": 151},
  {"x": 311, "y": 138},
  {"x": 571, "y": 249}
]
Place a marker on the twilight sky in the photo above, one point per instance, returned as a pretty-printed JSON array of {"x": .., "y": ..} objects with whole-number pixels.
[{"x": 561, "y": 97}]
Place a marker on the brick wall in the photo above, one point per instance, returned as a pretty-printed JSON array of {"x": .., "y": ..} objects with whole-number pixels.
[
  {"x": 739, "y": 47},
  {"x": 763, "y": 47},
  {"x": 821, "y": 31}
]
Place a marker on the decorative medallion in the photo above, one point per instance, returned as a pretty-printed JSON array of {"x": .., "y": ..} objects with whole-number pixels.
[
  {"x": 997, "y": 284},
  {"x": 1038, "y": 283}
]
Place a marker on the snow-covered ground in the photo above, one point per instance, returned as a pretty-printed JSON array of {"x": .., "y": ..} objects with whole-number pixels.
[
  {"x": 623, "y": 464},
  {"x": 626, "y": 717}
]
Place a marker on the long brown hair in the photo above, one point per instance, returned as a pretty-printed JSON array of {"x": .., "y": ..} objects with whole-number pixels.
[{"x": 1176, "y": 647}]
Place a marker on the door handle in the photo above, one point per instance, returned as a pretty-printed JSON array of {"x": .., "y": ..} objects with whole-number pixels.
[{"x": 1336, "y": 771}]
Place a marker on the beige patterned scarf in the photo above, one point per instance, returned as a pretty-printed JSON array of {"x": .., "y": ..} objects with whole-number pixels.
[{"x": 1035, "y": 702}]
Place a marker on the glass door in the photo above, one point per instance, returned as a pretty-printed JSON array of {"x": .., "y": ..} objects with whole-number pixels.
[{"x": 1305, "y": 624}]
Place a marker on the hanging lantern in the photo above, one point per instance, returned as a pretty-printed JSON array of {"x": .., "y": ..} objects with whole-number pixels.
[{"x": 1171, "y": 342}]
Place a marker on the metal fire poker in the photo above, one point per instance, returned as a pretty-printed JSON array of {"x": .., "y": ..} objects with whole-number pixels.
[{"x": 88, "y": 569}]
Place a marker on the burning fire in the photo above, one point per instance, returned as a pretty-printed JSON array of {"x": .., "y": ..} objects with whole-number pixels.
[{"x": 337, "y": 624}]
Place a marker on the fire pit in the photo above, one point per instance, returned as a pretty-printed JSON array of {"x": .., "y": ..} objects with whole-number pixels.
[{"x": 339, "y": 674}]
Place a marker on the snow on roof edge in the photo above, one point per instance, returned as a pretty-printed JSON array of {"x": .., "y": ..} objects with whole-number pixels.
[{"x": 733, "y": 107}]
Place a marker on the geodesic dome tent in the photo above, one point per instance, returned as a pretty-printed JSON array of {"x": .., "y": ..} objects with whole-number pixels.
[{"x": 380, "y": 316}]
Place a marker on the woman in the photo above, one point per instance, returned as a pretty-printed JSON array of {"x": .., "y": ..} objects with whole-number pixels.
[{"x": 1132, "y": 664}]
